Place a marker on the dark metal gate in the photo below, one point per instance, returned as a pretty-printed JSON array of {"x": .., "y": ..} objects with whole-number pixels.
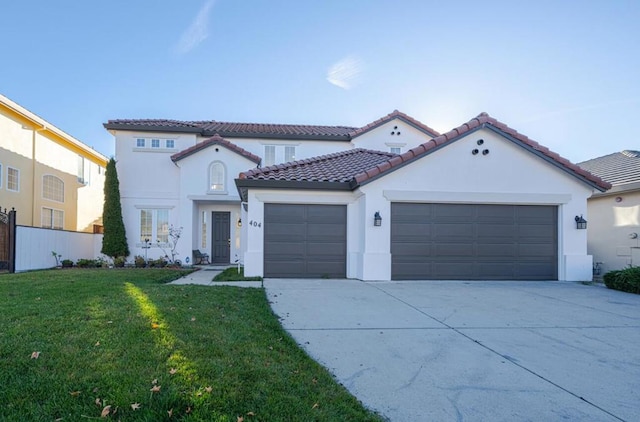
[{"x": 7, "y": 240}]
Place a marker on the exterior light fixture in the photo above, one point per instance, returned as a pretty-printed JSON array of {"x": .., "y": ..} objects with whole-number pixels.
[
  {"x": 581, "y": 223},
  {"x": 377, "y": 219},
  {"x": 239, "y": 223}
]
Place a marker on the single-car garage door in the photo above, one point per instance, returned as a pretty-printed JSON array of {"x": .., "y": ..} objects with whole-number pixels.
[
  {"x": 473, "y": 242},
  {"x": 305, "y": 241}
]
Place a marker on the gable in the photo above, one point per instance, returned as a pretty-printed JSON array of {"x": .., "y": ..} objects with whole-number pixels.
[
  {"x": 394, "y": 133},
  {"x": 215, "y": 141}
]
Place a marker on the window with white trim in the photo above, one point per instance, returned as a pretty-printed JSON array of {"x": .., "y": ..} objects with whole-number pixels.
[
  {"x": 170, "y": 143},
  {"x": 216, "y": 177},
  {"x": 155, "y": 143},
  {"x": 289, "y": 153},
  {"x": 84, "y": 170},
  {"x": 395, "y": 150},
  {"x": 154, "y": 225},
  {"x": 140, "y": 143},
  {"x": 269, "y": 155},
  {"x": 204, "y": 229},
  {"x": 13, "y": 179},
  {"x": 52, "y": 218},
  {"x": 52, "y": 188}
]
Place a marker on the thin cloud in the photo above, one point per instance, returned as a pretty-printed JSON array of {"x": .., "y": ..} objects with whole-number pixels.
[
  {"x": 346, "y": 73},
  {"x": 197, "y": 32}
]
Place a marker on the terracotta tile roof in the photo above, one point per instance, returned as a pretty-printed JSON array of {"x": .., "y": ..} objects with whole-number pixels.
[
  {"x": 338, "y": 167},
  {"x": 263, "y": 130},
  {"x": 619, "y": 168},
  {"x": 481, "y": 121},
  {"x": 395, "y": 115},
  {"x": 215, "y": 140},
  {"x": 356, "y": 167}
]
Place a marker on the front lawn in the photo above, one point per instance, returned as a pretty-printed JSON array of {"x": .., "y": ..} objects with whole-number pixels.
[{"x": 79, "y": 344}]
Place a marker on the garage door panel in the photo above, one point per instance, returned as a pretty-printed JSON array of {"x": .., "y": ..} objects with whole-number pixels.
[
  {"x": 302, "y": 240},
  {"x": 474, "y": 241}
]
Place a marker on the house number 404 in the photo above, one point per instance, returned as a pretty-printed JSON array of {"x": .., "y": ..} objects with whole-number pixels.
[{"x": 254, "y": 224}]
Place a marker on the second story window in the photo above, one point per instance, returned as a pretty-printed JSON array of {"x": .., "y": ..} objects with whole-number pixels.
[
  {"x": 170, "y": 143},
  {"x": 52, "y": 188},
  {"x": 84, "y": 170},
  {"x": 216, "y": 177},
  {"x": 140, "y": 142},
  {"x": 13, "y": 179},
  {"x": 155, "y": 143},
  {"x": 269, "y": 155},
  {"x": 289, "y": 154}
]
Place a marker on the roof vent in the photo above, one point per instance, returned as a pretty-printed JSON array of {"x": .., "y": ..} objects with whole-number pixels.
[{"x": 631, "y": 153}]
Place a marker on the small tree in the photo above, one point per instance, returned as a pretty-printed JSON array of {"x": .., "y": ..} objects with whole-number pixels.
[{"x": 114, "y": 240}]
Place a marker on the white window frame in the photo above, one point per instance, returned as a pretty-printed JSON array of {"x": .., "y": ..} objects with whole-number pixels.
[
  {"x": 141, "y": 142},
  {"x": 155, "y": 143},
  {"x": 54, "y": 188},
  {"x": 223, "y": 185},
  {"x": 159, "y": 222},
  {"x": 17, "y": 181},
  {"x": 398, "y": 150},
  {"x": 170, "y": 143},
  {"x": 51, "y": 218},
  {"x": 269, "y": 155},
  {"x": 289, "y": 153}
]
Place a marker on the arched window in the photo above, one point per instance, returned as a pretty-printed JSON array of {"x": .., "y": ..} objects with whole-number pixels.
[
  {"x": 52, "y": 188},
  {"x": 216, "y": 177}
]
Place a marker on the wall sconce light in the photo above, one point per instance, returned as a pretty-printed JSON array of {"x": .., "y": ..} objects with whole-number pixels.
[
  {"x": 377, "y": 219},
  {"x": 239, "y": 223},
  {"x": 581, "y": 223}
]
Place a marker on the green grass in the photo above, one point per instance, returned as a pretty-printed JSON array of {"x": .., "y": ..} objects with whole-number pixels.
[
  {"x": 104, "y": 336},
  {"x": 232, "y": 274}
]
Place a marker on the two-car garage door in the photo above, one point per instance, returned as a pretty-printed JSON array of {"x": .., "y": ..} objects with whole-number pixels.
[{"x": 473, "y": 242}]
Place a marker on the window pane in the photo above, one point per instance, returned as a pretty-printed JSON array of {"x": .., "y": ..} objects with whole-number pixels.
[
  {"x": 45, "y": 218},
  {"x": 170, "y": 143},
  {"x": 162, "y": 229},
  {"x": 155, "y": 143},
  {"x": 140, "y": 142},
  {"x": 52, "y": 188},
  {"x": 289, "y": 154},
  {"x": 13, "y": 179},
  {"x": 216, "y": 177},
  {"x": 269, "y": 155},
  {"x": 58, "y": 219},
  {"x": 146, "y": 225},
  {"x": 396, "y": 150},
  {"x": 204, "y": 229}
]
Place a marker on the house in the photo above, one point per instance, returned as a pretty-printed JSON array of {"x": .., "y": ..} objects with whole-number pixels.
[
  {"x": 614, "y": 215},
  {"x": 181, "y": 174},
  {"x": 391, "y": 200},
  {"x": 51, "y": 179}
]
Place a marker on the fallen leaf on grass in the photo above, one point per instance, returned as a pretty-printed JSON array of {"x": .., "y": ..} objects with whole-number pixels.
[
  {"x": 35, "y": 355},
  {"x": 154, "y": 325},
  {"x": 250, "y": 414},
  {"x": 173, "y": 371},
  {"x": 188, "y": 410},
  {"x": 193, "y": 318},
  {"x": 170, "y": 412},
  {"x": 98, "y": 402},
  {"x": 97, "y": 344},
  {"x": 135, "y": 406},
  {"x": 74, "y": 393},
  {"x": 240, "y": 419},
  {"x": 315, "y": 406},
  {"x": 208, "y": 389},
  {"x": 105, "y": 411},
  {"x": 155, "y": 381},
  {"x": 155, "y": 389}
]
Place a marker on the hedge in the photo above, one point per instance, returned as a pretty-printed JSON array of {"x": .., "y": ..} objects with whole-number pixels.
[{"x": 627, "y": 280}]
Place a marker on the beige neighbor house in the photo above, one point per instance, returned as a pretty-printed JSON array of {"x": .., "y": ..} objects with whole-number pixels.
[
  {"x": 51, "y": 179},
  {"x": 614, "y": 215}
]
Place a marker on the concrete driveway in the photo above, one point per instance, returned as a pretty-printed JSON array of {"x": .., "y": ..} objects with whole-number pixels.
[{"x": 472, "y": 351}]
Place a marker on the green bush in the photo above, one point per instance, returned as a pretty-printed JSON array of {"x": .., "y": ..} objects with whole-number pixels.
[
  {"x": 119, "y": 262},
  {"x": 86, "y": 263},
  {"x": 627, "y": 280},
  {"x": 139, "y": 261},
  {"x": 158, "y": 263},
  {"x": 67, "y": 263}
]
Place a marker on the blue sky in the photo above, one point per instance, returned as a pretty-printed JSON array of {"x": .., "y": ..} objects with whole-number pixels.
[{"x": 564, "y": 73}]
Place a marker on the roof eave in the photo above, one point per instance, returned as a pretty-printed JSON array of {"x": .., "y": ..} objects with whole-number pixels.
[
  {"x": 345, "y": 138},
  {"x": 150, "y": 128}
]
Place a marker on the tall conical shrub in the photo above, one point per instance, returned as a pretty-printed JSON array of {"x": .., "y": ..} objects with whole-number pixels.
[{"x": 114, "y": 240}]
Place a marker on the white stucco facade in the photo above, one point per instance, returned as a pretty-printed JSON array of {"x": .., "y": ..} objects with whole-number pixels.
[{"x": 508, "y": 174}]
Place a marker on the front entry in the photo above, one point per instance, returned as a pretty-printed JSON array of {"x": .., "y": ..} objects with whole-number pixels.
[{"x": 221, "y": 235}]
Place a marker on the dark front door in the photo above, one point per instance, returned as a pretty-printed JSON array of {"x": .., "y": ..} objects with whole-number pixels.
[{"x": 221, "y": 237}]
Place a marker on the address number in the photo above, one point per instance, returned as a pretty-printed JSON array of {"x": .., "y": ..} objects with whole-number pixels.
[{"x": 255, "y": 224}]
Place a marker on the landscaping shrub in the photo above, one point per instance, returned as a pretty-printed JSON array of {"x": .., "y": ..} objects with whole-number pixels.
[
  {"x": 67, "y": 263},
  {"x": 627, "y": 280},
  {"x": 139, "y": 261},
  {"x": 119, "y": 262},
  {"x": 86, "y": 263}
]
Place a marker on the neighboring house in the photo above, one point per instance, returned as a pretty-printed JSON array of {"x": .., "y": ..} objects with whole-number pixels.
[
  {"x": 181, "y": 174},
  {"x": 51, "y": 179},
  {"x": 480, "y": 202},
  {"x": 614, "y": 216}
]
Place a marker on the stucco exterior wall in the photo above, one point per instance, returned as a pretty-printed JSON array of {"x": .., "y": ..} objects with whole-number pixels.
[
  {"x": 614, "y": 229},
  {"x": 395, "y": 133},
  {"x": 508, "y": 174}
]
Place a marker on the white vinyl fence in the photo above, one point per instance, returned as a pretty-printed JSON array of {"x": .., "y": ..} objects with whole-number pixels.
[{"x": 34, "y": 246}]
